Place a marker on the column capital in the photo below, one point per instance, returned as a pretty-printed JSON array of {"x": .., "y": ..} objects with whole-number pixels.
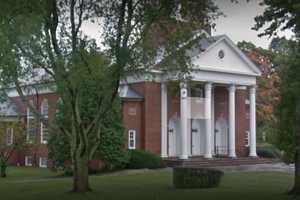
[
  {"x": 252, "y": 89},
  {"x": 208, "y": 86},
  {"x": 231, "y": 88}
]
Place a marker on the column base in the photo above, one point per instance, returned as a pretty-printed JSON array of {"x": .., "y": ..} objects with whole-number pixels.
[
  {"x": 183, "y": 157},
  {"x": 233, "y": 156},
  {"x": 164, "y": 156},
  {"x": 208, "y": 156},
  {"x": 253, "y": 155}
]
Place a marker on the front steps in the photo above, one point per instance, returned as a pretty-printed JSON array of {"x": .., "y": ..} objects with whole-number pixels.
[{"x": 216, "y": 162}]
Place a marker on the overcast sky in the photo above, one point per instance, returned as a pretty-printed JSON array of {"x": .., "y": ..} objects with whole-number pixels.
[
  {"x": 239, "y": 20},
  {"x": 236, "y": 24}
]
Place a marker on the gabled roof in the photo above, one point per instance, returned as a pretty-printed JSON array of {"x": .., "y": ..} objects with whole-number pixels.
[{"x": 219, "y": 38}]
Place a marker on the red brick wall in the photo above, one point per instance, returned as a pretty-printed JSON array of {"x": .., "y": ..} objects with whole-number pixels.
[
  {"x": 132, "y": 119},
  {"x": 151, "y": 109},
  {"x": 173, "y": 105},
  {"x": 36, "y": 150},
  {"x": 222, "y": 107},
  {"x": 241, "y": 123}
]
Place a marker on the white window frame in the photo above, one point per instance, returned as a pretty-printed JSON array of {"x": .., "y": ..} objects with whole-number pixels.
[
  {"x": 133, "y": 133},
  {"x": 29, "y": 117},
  {"x": 41, "y": 164},
  {"x": 26, "y": 161},
  {"x": 247, "y": 138},
  {"x": 45, "y": 115},
  {"x": 9, "y": 133}
]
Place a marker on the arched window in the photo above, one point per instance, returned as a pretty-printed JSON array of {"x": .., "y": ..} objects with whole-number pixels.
[{"x": 44, "y": 128}]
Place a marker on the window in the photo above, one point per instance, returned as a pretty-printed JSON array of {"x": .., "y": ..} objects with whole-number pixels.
[
  {"x": 247, "y": 138},
  {"x": 30, "y": 124},
  {"x": 131, "y": 139},
  {"x": 28, "y": 160},
  {"x": 43, "y": 162},
  {"x": 44, "y": 129},
  {"x": 9, "y": 136}
]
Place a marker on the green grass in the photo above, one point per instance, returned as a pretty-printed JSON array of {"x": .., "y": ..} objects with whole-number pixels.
[
  {"x": 17, "y": 173},
  {"x": 152, "y": 185}
]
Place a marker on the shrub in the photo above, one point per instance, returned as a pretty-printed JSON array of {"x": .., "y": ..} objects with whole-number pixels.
[
  {"x": 142, "y": 159},
  {"x": 196, "y": 177},
  {"x": 268, "y": 151}
]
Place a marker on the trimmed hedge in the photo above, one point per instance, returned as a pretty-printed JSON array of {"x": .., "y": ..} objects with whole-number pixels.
[
  {"x": 139, "y": 159},
  {"x": 196, "y": 177},
  {"x": 268, "y": 151}
]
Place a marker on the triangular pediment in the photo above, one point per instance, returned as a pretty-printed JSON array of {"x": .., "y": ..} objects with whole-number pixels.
[{"x": 224, "y": 56}]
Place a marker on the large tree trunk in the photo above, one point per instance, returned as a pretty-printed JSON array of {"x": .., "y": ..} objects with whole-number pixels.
[
  {"x": 296, "y": 188},
  {"x": 81, "y": 174},
  {"x": 3, "y": 170}
]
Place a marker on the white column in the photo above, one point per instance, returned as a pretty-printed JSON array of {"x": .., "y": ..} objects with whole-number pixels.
[
  {"x": 164, "y": 120},
  {"x": 252, "y": 122},
  {"x": 208, "y": 124},
  {"x": 231, "y": 117},
  {"x": 184, "y": 120}
]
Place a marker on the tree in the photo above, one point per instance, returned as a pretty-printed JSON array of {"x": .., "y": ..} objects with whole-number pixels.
[
  {"x": 48, "y": 37},
  {"x": 11, "y": 139},
  {"x": 111, "y": 148},
  {"x": 281, "y": 14},
  {"x": 267, "y": 86}
]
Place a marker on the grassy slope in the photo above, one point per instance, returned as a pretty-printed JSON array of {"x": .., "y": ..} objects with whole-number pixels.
[{"x": 151, "y": 185}]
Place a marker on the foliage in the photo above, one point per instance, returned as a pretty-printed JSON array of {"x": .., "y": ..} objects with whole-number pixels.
[
  {"x": 17, "y": 128},
  {"x": 58, "y": 150},
  {"x": 278, "y": 15},
  {"x": 287, "y": 107},
  {"x": 267, "y": 94},
  {"x": 140, "y": 159},
  {"x": 111, "y": 147},
  {"x": 196, "y": 177},
  {"x": 47, "y": 37},
  {"x": 281, "y": 14},
  {"x": 268, "y": 151}
]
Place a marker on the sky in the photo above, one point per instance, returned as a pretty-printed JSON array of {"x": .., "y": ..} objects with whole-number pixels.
[
  {"x": 237, "y": 23},
  {"x": 239, "y": 20}
]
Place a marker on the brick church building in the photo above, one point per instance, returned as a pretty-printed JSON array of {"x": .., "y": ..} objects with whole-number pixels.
[{"x": 212, "y": 114}]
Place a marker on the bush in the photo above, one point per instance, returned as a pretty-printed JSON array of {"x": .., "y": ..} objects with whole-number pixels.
[
  {"x": 140, "y": 159},
  {"x": 268, "y": 151},
  {"x": 196, "y": 177}
]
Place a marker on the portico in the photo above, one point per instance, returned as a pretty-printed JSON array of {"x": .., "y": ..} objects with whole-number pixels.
[
  {"x": 211, "y": 145},
  {"x": 196, "y": 131}
]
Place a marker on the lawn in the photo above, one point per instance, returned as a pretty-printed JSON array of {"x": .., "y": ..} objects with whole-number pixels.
[{"x": 28, "y": 183}]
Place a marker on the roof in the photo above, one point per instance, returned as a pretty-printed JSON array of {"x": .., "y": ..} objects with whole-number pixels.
[
  {"x": 8, "y": 109},
  {"x": 127, "y": 92}
]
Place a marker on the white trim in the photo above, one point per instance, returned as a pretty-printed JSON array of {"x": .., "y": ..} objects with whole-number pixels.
[
  {"x": 44, "y": 112},
  {"x": 27, "y": 159},
  {"x": 10, "y": 131},
  {"x": 41, "y": 162},
  {"x": 237, "y": 50},
  {"x": 247, "y": 138},
  {"x": 29, "y": 117},
  {"x": 133, "y": 132}
]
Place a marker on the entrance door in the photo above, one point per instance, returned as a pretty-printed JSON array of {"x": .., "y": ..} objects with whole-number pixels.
[
  {"x": 172, "y": 138},
  {"x": 196, "y": 137},
  {"x": 221, "y": 137}
]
